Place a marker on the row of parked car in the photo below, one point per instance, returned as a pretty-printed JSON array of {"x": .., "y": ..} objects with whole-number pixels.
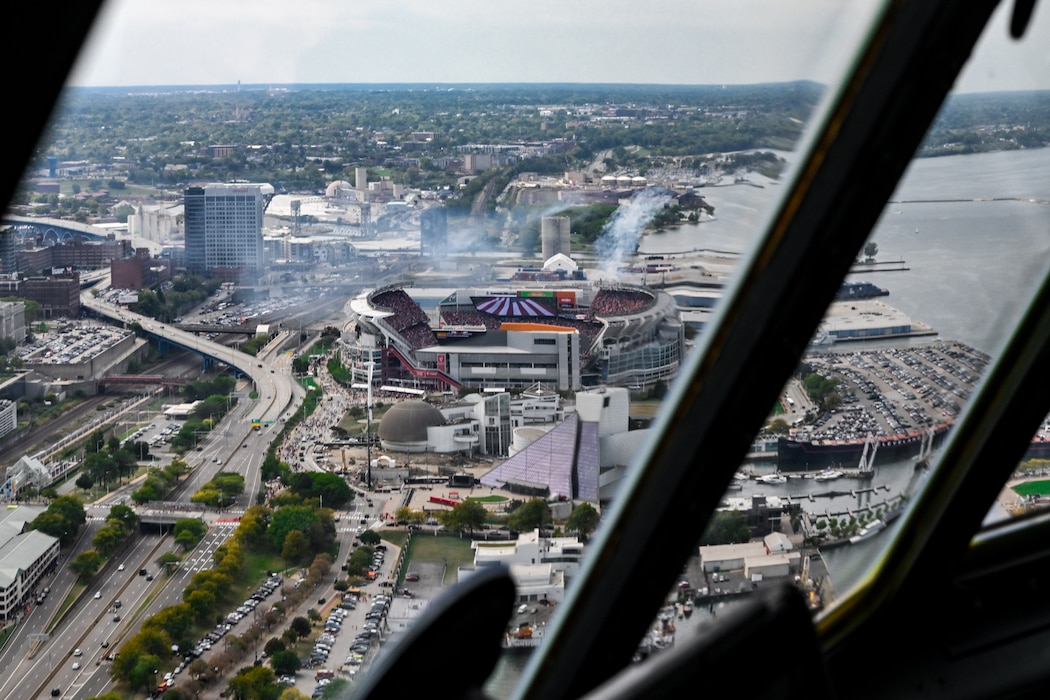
[
  {"x": 370, "y": 630},
  {"x": 267, "y": 588},
  {"x": 325, "y": 642}
]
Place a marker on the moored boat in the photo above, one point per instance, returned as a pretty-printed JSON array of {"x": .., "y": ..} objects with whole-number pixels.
[
  {"x": 828, "y": 475},
  {"x": 805, "y": 455}
]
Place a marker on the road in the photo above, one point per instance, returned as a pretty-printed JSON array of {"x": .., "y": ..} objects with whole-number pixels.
[{"x": 92, "y": 622}]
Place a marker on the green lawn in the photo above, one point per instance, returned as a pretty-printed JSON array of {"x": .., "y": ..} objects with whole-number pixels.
[
  {"x": 257, "y": 566},
  {"x": 395, "y": 537},
  {"x": 1034, "y": 488},
  {"x": 488, "y": 499},
  {"x": 454, "y": 551}
]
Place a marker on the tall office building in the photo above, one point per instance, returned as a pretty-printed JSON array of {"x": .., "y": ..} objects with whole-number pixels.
[
  {"x": 433, "y": 231},
  {"x": 224, "y": 230}
]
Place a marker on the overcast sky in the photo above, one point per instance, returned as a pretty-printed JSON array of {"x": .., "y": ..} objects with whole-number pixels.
[{"x": 221, "y": 42}]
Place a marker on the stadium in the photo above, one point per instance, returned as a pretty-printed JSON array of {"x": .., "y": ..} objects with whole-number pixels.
[{"x": 568, "y": 338}]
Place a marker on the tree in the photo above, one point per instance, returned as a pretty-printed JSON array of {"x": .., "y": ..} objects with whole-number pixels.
[
  {"x": 301, "y": 626},
  {"x": 254, "y": 683},
  {"x": 188, "y": 532},
  {"x": 726, "y": 527},
  {"x": 287, "y": 519},
  {"x": 370, "y": 538},
  {"x": 778, "y": 426},
  {"x": 295, "y": 548},
  {"x": 63, "y": 519},
  {"x": 583, "y": 520},
  {"x": 331, "y": 489},
  {"x": 285, "y": 662},
  {"x": 529, "y": 516},
  {"x": 144, "y": 672},
  {"x": 465, "y": 516},
  {"x": 108, "y": 539},
  {"x": 128, "y": 518},
  {"x": 122, "y": 213},
  {"x": 871, "y": 249},
  {"x": 273, "y": 646},
  {"x": 84, "y": 481},
  {"x": 86, "y": 563},
  {"x": 174, "y": 620},
  {"x": 251, "y": 532}
]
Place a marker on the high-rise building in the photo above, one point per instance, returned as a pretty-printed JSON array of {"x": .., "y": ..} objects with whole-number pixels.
[
  {"x": 433, "y": 231},
  {"x": 224, "y": 230},
  {"x": 554, "y": 236}
]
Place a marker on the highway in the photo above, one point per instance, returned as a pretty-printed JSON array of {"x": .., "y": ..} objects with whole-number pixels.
[{"x": 94, "y": 622}]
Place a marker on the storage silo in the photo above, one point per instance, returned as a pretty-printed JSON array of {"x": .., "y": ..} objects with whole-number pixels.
[{"x": 554, "y": 236}]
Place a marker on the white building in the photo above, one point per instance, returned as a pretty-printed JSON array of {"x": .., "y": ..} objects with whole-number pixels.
[
  {"x": 25, "y": 557},
  {"x": 561, "y": 554},
  {"x": 157, "y": 223},
  {"x": 754, "y": 558},
  {"x": 26, "y": 472},
  {"x": 8, "y": 416}
]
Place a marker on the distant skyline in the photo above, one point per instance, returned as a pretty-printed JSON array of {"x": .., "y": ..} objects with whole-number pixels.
[{"x": 221, "y": 42}]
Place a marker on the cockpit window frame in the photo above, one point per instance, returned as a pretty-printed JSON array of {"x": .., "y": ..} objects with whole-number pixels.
[{"x": 862, "y": 148}]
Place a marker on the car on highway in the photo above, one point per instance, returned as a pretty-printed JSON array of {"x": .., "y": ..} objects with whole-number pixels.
[
  {"x": 77, "y": 652},
  {"x": 98, "y": 594},
  {"x": 76, "y": 665},
  {"x": 120, "y": 568}
]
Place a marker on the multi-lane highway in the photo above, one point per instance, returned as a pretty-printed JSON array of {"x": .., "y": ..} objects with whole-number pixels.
[{"x": 119, "y": 598}]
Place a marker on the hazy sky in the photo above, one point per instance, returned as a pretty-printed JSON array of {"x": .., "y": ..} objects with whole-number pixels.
[{"x": 194, "y": 42}]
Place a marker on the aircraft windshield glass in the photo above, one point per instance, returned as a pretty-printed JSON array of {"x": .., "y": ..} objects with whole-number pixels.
[{"x": 401, "y": 288}]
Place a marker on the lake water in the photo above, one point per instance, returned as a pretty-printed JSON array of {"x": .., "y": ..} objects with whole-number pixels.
[
  {"x": 968, "y": 264},
  {"x": 969, "y": 261}
]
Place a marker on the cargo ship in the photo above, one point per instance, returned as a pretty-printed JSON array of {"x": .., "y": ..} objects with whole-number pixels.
[
  {"x": 859, "y": 290},
  {"x": 808, "y": 455}
]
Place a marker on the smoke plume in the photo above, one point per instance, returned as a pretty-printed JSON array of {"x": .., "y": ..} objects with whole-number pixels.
[{"x": 619, "y": 239}]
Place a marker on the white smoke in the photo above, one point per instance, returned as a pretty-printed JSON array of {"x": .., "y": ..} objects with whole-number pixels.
[{"x": 619, "y": 238}]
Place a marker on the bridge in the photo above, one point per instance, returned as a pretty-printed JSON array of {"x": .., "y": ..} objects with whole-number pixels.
[
  {"x": 244, "y": 328},
  {"x": 141, "y": 379},
  {"x": 48, "y": 231},
  {"x": 277, "y": 388}
]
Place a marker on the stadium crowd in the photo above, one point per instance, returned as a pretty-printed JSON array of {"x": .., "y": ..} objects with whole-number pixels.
[
  {"x": 406, "y": 311},
  {"x": 620, "y": 302}
]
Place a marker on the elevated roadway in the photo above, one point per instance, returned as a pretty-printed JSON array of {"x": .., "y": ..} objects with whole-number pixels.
[
  {"x": 98, "y": 622},
  {"x": 275, "y": 390}
]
